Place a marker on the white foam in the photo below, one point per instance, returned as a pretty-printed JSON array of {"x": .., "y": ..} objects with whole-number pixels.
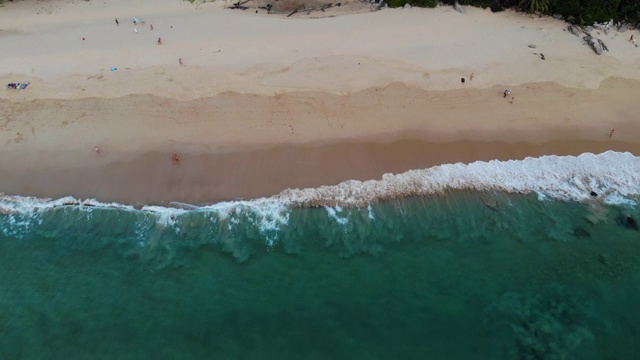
[
  {"x": 611, "y": 175},
  {"x": 13, "y": 204},
  {"x": 334, "y": 213},
  {"x": 370, "y": 213}
]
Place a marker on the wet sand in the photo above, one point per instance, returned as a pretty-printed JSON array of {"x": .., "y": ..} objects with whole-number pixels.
[{"x": 152, "y": 178}]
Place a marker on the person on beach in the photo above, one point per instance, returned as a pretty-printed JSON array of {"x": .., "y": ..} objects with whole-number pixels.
[
  {"x": 180, "y": 62},
  {"x": 175, "y": 159},
  {"x": 611, "y": 133},
  {"x": 151, "y": 26},
  {"x": 159, "y": 41},
  {"x": 97, "y": 150},
  {"x": 632, "y": 39},
  {"x": 117, "y": 22},
  {"x": 506, "y": 92}
]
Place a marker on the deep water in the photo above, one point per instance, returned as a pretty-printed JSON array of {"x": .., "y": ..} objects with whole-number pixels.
[{"x": 464, "y": 276}]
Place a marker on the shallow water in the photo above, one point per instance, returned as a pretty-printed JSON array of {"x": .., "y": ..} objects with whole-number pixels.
[{"x": 485, "y": 275}]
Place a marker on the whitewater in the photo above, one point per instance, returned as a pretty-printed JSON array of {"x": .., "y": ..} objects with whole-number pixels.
[{"x": 610, "y": 177}]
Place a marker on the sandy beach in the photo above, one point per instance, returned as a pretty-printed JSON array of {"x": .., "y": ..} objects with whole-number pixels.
[{"x": 264, "y": 102}]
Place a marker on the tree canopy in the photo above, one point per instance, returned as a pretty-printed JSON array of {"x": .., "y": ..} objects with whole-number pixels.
[{"x": 582, "y": 12}]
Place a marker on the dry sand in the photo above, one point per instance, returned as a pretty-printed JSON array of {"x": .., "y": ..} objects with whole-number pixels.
[{"x": 265, "y": 102}]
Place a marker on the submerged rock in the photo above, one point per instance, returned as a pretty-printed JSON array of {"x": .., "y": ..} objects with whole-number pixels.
[
  {"x": 628, "y": 222},
  {"x": 490, "y": 202},
  {"x": 581, "y": 233},
  {"x": 553, "y": 325},
  {"x": 632, "y": 223}
]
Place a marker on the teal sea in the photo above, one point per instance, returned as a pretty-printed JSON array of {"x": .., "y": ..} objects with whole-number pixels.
[{"x": 473, "y": 271}]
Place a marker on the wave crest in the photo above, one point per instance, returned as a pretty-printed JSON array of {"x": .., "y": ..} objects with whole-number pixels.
[{"x": 610, "y": 177}]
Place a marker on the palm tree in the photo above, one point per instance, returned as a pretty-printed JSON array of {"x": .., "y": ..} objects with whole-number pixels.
[{"x": 535, "y": 5}]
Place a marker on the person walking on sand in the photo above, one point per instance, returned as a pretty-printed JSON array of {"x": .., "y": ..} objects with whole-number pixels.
[
  {"x": 159, "y": 41},
  {"x": 117, "y": 22},
  {"x": 632, "y": 39},
  {"x": 611, "y": 133},
  {"x": 151, "y": 26},
  {"x": 180, "y": 62}
]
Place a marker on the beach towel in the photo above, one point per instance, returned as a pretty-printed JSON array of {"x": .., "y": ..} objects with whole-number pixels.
[{"x": 23, "y": 86}]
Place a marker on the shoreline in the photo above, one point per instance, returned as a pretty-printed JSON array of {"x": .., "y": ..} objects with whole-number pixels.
[{"x": 204, "y": 179}]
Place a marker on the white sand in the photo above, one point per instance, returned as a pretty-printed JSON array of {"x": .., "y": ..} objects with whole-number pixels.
[{"x": 231, "y": 50}]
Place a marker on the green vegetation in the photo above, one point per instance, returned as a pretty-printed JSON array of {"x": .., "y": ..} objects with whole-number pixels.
[
  {"x": 535, "y": 5},
  {"x": 582, "y": 12}
]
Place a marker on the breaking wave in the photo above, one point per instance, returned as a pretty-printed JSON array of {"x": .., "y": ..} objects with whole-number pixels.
[{"x": 611, "y": 177}]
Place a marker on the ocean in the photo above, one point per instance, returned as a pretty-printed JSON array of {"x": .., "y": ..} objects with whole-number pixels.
[{"x": 529, "y": 259}]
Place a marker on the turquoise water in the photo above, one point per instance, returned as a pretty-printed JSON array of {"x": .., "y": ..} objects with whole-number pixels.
[{"x": 466, "y": 275}]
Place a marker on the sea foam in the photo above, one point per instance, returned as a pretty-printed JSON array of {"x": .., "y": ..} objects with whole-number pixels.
[{"x": 610, "y": 177}]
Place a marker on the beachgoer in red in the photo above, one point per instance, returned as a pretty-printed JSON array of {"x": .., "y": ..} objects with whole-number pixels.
[{"x": 175, "y": 158}]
